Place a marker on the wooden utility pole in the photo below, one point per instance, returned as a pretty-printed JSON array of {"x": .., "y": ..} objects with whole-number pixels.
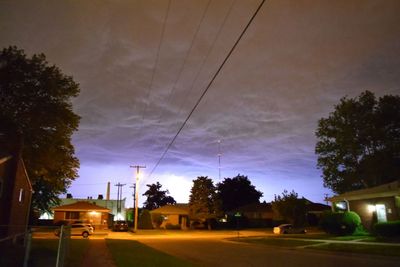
[
  {"x": 137, "y": 167},
  {"x": 119, "y": 198}
]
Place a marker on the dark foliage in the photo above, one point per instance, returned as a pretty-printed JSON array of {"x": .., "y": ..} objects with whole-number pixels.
[
  {"x": 236, "y": 192},
  {"x": 145, "y": 220},
  {"x": 35, "y": 106},
  {"x": 340, "y": 223},
  {"x": 157, "y": 197},
  {"x": 291, "y": 208},
  {"x": 359, "y": 143},
  {"x": 387, "y": 229},
  {"x": 204, "y": 204}
]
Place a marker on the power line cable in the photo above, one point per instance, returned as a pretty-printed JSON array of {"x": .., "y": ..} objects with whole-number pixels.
[
  {"x": 156, "y": 61},
  {"x": 208, "y": 86},
  {"x": 206, "y": 57},
  {"x": 188, "y": 52}
]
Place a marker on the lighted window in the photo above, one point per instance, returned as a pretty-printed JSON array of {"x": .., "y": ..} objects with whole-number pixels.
[{"x": 72, "y": 215}]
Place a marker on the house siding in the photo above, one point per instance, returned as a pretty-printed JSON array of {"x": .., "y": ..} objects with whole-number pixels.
[{"x": 368, "y": 218}]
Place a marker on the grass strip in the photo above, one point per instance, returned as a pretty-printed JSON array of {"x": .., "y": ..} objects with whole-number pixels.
[
  {"x": 279, "y": 242},
  {"x": 133, "y": 253},
  {"x": 360, "y": 248},
  {"x": 44, "y": 252}
]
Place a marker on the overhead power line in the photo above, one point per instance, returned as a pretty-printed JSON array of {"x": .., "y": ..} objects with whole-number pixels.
[{"x": 208, "y": 86}]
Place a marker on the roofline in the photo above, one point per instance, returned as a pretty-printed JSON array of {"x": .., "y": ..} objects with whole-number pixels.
[
  {"x": 4, "y": 159},
  {"x": 71, "y": 209},
  {"x": 365, "y": 196}
]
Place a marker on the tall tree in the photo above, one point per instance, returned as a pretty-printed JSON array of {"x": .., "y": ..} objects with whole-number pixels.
[
  {"x": 237, "y": 191},
  {"x": 290, "y": 207},
  {"x": 156, "y": 197},
  {"x": 35, "y": 105},
  {"x": 359, "y": 143},
  {"x": 204, "y": 205}
]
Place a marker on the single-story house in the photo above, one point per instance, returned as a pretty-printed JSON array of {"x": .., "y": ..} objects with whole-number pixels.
[
  {"x": 376, "y": 204},
  {"x": 256, "y": 211},
  {"x": 315, "y": 211},
  {"x": 254, "y": 215},
  {"x": 176, "y": 215},
  {"x": 83, "y": 211}
]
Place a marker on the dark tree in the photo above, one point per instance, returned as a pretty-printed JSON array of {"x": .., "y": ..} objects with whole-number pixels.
[
  {"x": 359, "y": 143},
  {"x": 291, "y": 208},
  {"x": 237, "y": 191},
  {"x": 35, "y": 105},
  {"x": 204, "y": 205},
  {"x": 157, "y": 197}
]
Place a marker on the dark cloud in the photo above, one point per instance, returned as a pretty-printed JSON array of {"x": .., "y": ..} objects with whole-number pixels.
[{"x": 292, "y": 66}]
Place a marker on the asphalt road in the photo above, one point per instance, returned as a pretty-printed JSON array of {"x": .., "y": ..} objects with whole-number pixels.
[{"x": 212, "y": 252}]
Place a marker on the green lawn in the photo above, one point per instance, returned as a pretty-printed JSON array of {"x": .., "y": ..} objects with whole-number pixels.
[
  {"x": 360, "y": 248},
  {"x": 44, "y": 252},
  {"x": 132, "y": 253},
  {"x": 280, "y": 242}
]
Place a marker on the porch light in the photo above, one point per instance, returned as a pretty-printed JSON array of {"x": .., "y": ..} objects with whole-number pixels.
[{"x": 371, "y": 208}]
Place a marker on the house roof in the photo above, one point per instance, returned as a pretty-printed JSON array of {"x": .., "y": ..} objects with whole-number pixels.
[
  {"x": 81, "y": 206},
  {"x": 179, "y": 208},
  {"x": 385, "y": 190},
  {"x": 255, "y": 207}
]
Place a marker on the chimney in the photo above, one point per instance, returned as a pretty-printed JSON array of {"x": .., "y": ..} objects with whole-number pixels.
[{"x": 108, "y": 191}]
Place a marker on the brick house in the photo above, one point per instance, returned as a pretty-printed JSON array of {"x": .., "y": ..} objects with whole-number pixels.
[
  {"x": 375, "y": 204},
  {"x": 83, "y": 211},
  {"x": 176, "y": 215},
  {"x": 15, "y": 195}
]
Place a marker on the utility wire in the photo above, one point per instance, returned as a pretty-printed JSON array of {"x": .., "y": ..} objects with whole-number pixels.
[
  {"x": 156, "y": 62},
  {"x": 188, "y": 52},
  {"x": 208, "y": 86},
  {"x": 206, "y": 57}
]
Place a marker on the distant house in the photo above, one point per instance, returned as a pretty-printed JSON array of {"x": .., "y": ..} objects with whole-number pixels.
[
  {"x": 375, "y": 204},
  {"x": 315, "y": 211},
  {"x": 116, "y": 209},
  {"x": 83, "y": 211},
  {"x": 15, "y": 195},
  {"x": 176, "y": 215},
  {"x": 255, "y": 214}
]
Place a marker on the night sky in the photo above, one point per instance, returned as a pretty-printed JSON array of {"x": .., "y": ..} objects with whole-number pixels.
[{"x": 142, "y": 65}]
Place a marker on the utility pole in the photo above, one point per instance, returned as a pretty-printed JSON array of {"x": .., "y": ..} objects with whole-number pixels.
[
  {"x": 138, "y": 167},
  {"x": 219, "y": 160},
  {"x": 119, "y": 197},
  {"x": 134, "y": 202}
]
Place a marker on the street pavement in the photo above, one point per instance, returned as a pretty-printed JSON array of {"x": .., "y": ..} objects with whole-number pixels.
[{"x": 205, "y": 248}]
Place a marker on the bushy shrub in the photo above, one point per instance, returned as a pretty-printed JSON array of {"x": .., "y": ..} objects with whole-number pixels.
[
  {"x": 170, "y": 226},
  {"x": 340, "y": 223},
  {"x": 145, "y": 220},
  {"x": 388, "y": 229},
  {"x": 157, "y": 219}
]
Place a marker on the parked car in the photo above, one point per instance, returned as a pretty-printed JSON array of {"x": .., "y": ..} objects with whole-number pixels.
[
  {"x": 78, "y": 229},
  {"x": 288, "y": 229},
  {"x": 120, "y": 226}
]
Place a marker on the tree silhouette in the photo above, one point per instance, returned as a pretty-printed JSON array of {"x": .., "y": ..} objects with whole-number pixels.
[
  {"x": 237, "y": 191},
  {"x": 156, "y": 197},
  {"x": 359, "y": 143},
  {"x": 35, "y": 106}
]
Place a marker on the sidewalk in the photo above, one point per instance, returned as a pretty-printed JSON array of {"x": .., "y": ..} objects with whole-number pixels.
[{"x": 98, "y": 255}]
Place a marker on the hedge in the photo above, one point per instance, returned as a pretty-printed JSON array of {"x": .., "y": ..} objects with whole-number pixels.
[
  {"x": 387, "y": 229},
  {"x": 340, "y": 223}
]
